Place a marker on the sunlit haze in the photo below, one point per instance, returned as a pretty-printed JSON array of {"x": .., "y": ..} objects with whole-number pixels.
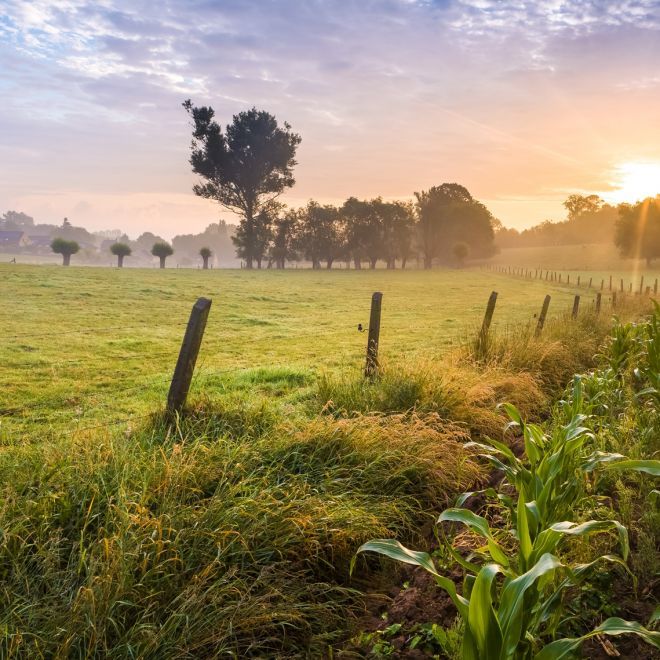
[{"x": 522, "y": 103}]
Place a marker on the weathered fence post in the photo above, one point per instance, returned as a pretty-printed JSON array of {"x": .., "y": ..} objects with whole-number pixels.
[
  {"x": 641, "y": 285},
  {"x": 185, "y": 365},
  {"x": 598, "y": 298},
  {"x": 610, "y": 282},
  {"x": 488, "y": 317},
  {"x": 578, "y": 280},
  {"x": 613, "y": 299},
  {"x": 544, "y": 313},
  {"x": 655, "y": 286},
  {"x": 371, "y": 367},
  {"x": 622, "y": 285},
  {"x": 590, "y": 280},
  {"x": 576, "y": 306}
]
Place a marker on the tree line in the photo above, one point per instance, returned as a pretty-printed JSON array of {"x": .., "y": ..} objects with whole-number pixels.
[{"x": 247, "y": 165}]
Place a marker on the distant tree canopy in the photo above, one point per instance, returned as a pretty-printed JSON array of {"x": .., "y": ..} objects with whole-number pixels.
[
  {"x": 14, "y": 220},
  {"x": 65, "y": 248},
  {"x": 638, "y": 230},
  {"x": 580, "y": 205},
  {"x": 120, "y": 250},
  {"x": 589, "y": 220},
  {"x": 162, "y": 250},
  {"x": 449, "y": 214},
  {"x": 245, "y": 168}
]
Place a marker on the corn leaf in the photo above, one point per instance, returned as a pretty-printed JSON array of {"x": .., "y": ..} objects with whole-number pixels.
[{"x": 562, "y": 648}]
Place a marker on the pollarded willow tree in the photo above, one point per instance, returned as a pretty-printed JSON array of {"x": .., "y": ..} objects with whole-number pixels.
[
  {"x": 245, "y": 167},
  {"x": 120, "y": 250},
  {"x": 162, "y": 250},
  {"x": 205, "y": 253},
  {"x": 65, "y": 248}
]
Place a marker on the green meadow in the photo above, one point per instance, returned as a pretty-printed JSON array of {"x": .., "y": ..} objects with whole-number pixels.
[{"x": 84, "y": 345}]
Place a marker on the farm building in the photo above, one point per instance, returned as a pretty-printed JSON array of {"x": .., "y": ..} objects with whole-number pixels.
[{"x": 12, "y": 239}]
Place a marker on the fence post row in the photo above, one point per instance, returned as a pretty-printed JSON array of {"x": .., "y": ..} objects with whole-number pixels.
[
  {"x": 576, "y": 306},
  {"x": 371, "y": 366},
  {"x": 185, "y": 365},
  {"x": 544, "y": 313}
]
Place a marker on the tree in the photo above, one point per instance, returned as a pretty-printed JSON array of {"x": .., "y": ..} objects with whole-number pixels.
[
  {"x": 460, "y": 251},
  {"x": 579, "y": 205},
  {"x": 447, "y": 214},
  {"x": 120, "y": 250},
  {"x": 65, "y": 248},
  {"x": 359, "y": 225},
  {"x": 319, "y": 235},
  {"x": 205, "y": 253},
  {"x": 638, "y": 230},
  {"x": 16, "y": 220},
  {"x": 162, "y": 250},
  {"x": 283, "y": 246},
  {"x": 397, "y": 223},
  {"x": 245, "y": 168}
]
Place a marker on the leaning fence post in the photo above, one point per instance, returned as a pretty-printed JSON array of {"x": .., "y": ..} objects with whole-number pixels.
[
  {"x": 576, "y": 306},
  {"x": 544, "y": 313},
  {"x": 488, "y": 317},
  {"x": 598, "y": 297},
  {"x": 185, "y": 365},
  {"x": 371, "y": 367}
]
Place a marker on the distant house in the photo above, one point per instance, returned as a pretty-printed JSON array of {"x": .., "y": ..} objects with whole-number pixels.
[
  {"x": 11, "y": 239},
  {"x": 40, "y": 242}
]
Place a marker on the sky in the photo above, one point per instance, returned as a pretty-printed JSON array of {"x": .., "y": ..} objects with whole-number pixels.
[{"x": 523, "y": 102}]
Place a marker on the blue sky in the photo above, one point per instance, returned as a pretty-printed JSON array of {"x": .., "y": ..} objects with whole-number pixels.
[{"x": 522, "y": 102}]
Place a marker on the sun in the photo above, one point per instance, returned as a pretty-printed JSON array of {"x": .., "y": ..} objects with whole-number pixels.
[{"x": 634, "y": 182}]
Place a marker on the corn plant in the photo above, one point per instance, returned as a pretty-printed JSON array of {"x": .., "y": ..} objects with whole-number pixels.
[{"x": 512, "y": 592}]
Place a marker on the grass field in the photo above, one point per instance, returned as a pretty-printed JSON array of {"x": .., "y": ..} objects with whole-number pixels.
[
  {"x": 83, "y": 345},
  {"x": 228, "y": 532}
]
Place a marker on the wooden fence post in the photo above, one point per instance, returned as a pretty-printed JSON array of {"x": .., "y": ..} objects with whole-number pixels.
[
  {"x": 610, "y": 282},
  {"x": 544, "y": 313},
  {"x": 371, "y": 366},
  {"x": 578, "y": 280},
  {"x": 576, "y": 306},
  {"x": 622, "y": 285},
  {"x": 590, "y": 280},
  {"x": 655, "y": 286},
  {"x": 641, "y": 285},
  {"x": 488, "y": 317},
  {"x": 185, "y": 365},
  {"x": 613, "y": 299},
  {"x": 598, "y": 300}
]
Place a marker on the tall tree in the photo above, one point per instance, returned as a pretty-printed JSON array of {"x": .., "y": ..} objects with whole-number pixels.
[
  {"x": 245, "y": 167},
  {"x": 397, "y": 223},
  {"x": 448, "y": 214},
  {"x": 638, "y": 230},
  {"x": 320, "y": 237},
  {"x": 283, "y": 246},
  {"x": 579, "y": 205},
  {"x": 358, "y": 218}
]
